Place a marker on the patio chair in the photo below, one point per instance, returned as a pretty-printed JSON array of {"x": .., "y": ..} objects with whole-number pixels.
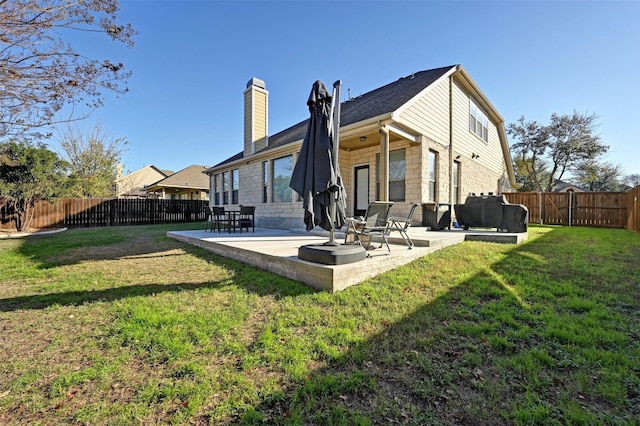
[
  {"x": 402, "y": 225},
  {"x": 373, "y": 224},
  {"x": 216, "y": 218},
  {"x": 246, "y": 218}
]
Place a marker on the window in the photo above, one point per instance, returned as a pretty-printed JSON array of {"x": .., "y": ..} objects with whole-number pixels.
[
  {"x": 282, "y": 170},
  {"x": 456, "y": 182},
  {"x": 265, "y": 180},
  {"x": 433, "y": 162},
  {"x": 235, "y": 183},
  {"x": 226, "y": 186},
  {"x": 216, "y": 189},
  {"x": 478, "y": 121},
  {"x": 397, "y": 174}
]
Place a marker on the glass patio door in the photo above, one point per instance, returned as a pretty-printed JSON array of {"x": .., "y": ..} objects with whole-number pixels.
[{"x": 361, "y": 195}]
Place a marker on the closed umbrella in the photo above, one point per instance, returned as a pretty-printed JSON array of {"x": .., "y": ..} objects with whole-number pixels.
[{"x": 316, "y": 175}]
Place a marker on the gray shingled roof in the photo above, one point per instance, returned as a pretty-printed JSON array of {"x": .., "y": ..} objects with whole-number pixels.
[{"x": 382, "y": 100}]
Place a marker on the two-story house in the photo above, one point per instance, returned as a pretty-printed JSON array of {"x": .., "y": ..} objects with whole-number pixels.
[{"x": 431, "y": 136}]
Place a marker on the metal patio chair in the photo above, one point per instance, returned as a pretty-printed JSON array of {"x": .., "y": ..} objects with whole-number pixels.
[
  {"x": 402, "y": 225},
  {"x": 373, "y": 224}
]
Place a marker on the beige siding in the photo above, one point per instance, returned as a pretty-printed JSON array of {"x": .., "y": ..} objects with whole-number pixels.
[
  {"x": 260, "y": 119},
  {"x": 467, "y": 143},
  {"x": 430, "y": 114},
  {"x": 248, "y": 119},
  {"x": 255, "y": 119},
  {"x": 485, "y": 173}
]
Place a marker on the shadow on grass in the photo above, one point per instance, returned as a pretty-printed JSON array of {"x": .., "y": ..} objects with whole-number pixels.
[
  {"x": 77, "y": 298},
  {"x": 479, "y": 354},
  {"x": 95, "y": 244},
  {"x": 141, "y": 243}
]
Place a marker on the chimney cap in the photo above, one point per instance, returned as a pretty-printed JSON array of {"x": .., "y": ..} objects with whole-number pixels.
[{"x": 256, "y": 82}]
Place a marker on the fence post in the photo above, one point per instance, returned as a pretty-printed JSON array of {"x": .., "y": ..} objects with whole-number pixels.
[
  {"x": 540, "y": 215},
  {"x": 570, "y": 207}
]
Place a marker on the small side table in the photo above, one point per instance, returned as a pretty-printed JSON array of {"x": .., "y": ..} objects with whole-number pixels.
[{"x": 436, "y": 216}]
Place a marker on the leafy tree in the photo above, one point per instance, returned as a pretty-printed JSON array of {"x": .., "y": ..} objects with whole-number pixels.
[
  {"x": 40, "y": 73},
  {"x": 93, "y": 159},
  {"x": 529, "y": 150},
  {"x": 632, "y": 180},
  {"x": 29, "y": 173},
  {"x": 596, "y": 176},
  {"x": 548, "y": 152},
  {"x": 523, "y": 177}
]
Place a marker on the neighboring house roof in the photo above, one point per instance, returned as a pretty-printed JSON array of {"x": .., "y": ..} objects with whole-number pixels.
[
  {"x": 189, "y": 177},
  {"x": 562, "y": 186},
  {"x": 151, "y": 167},
  {"x": 380, "y": 101},
  {"x": 132, "y": 184}
]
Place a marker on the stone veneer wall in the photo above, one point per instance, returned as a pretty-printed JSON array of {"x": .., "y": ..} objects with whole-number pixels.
[{"x": 475, "y": 178}]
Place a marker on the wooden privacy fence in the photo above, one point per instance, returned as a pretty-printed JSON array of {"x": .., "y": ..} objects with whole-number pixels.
[
  {"x": 89, "y": 212},
  {"x": 599, "y": 209}
]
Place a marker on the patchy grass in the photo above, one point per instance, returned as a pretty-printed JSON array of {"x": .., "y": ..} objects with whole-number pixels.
[{"x": 126, "y": 326}]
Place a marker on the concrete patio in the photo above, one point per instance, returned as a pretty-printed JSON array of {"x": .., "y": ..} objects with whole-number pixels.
[{"x": 276, "y": 250}]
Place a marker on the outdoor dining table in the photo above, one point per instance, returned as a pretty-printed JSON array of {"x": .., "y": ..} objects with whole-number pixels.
[{"x": 231, "y": 219}]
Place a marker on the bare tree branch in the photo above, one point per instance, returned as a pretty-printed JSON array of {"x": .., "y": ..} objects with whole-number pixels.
[{"x": 40, "y": 74}]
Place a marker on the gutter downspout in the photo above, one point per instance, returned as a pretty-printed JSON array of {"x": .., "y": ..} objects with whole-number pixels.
[
  {"x": 384, "y": 164},
  {"x": 451, "y": 141}
]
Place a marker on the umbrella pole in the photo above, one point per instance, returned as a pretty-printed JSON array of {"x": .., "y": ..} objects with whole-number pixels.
[{"x": 335, "y": 138}]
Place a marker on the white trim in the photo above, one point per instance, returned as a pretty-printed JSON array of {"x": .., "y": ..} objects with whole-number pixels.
[
  {"x": 423, "y": 92},
  {"x": 403, "y": 133}
]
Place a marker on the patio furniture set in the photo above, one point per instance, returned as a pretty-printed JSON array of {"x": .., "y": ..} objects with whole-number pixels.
[
  {"x": 220, "y": 219},
  {"x": 377, "y": 223}
]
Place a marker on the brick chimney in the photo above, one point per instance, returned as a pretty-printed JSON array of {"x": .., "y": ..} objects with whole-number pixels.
[{"x": 256, "y": 113}]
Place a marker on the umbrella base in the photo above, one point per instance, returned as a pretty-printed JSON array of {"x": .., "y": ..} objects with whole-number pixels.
[{"x": 328, "y": 254}]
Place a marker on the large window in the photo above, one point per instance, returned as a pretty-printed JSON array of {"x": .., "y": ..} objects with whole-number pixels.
[
  {"x": 265, "y": 180},
  {"x": 456, "y": 182},
  {"x": 397, "y": 174},
  {"x": 235, "y": 183},
  {"x": 216, "y": 189},
  {"x": 282, "y": 170},
  {"x": 433, "y": 174},
  {"x": 226, "y": 187},
  {"x": 478, "y": 121}
]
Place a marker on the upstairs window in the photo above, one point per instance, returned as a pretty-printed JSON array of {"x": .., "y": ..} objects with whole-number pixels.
[{"x": 478, "y": 121}]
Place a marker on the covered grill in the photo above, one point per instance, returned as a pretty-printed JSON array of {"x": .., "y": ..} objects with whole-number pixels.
[{"x": 492, "y": 211}]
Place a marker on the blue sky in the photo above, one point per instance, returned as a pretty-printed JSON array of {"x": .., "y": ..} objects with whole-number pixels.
[{"x": 192, "y": 60}]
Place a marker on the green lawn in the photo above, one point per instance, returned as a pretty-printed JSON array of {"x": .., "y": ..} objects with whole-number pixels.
[{"x": 126, "y": 326}]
